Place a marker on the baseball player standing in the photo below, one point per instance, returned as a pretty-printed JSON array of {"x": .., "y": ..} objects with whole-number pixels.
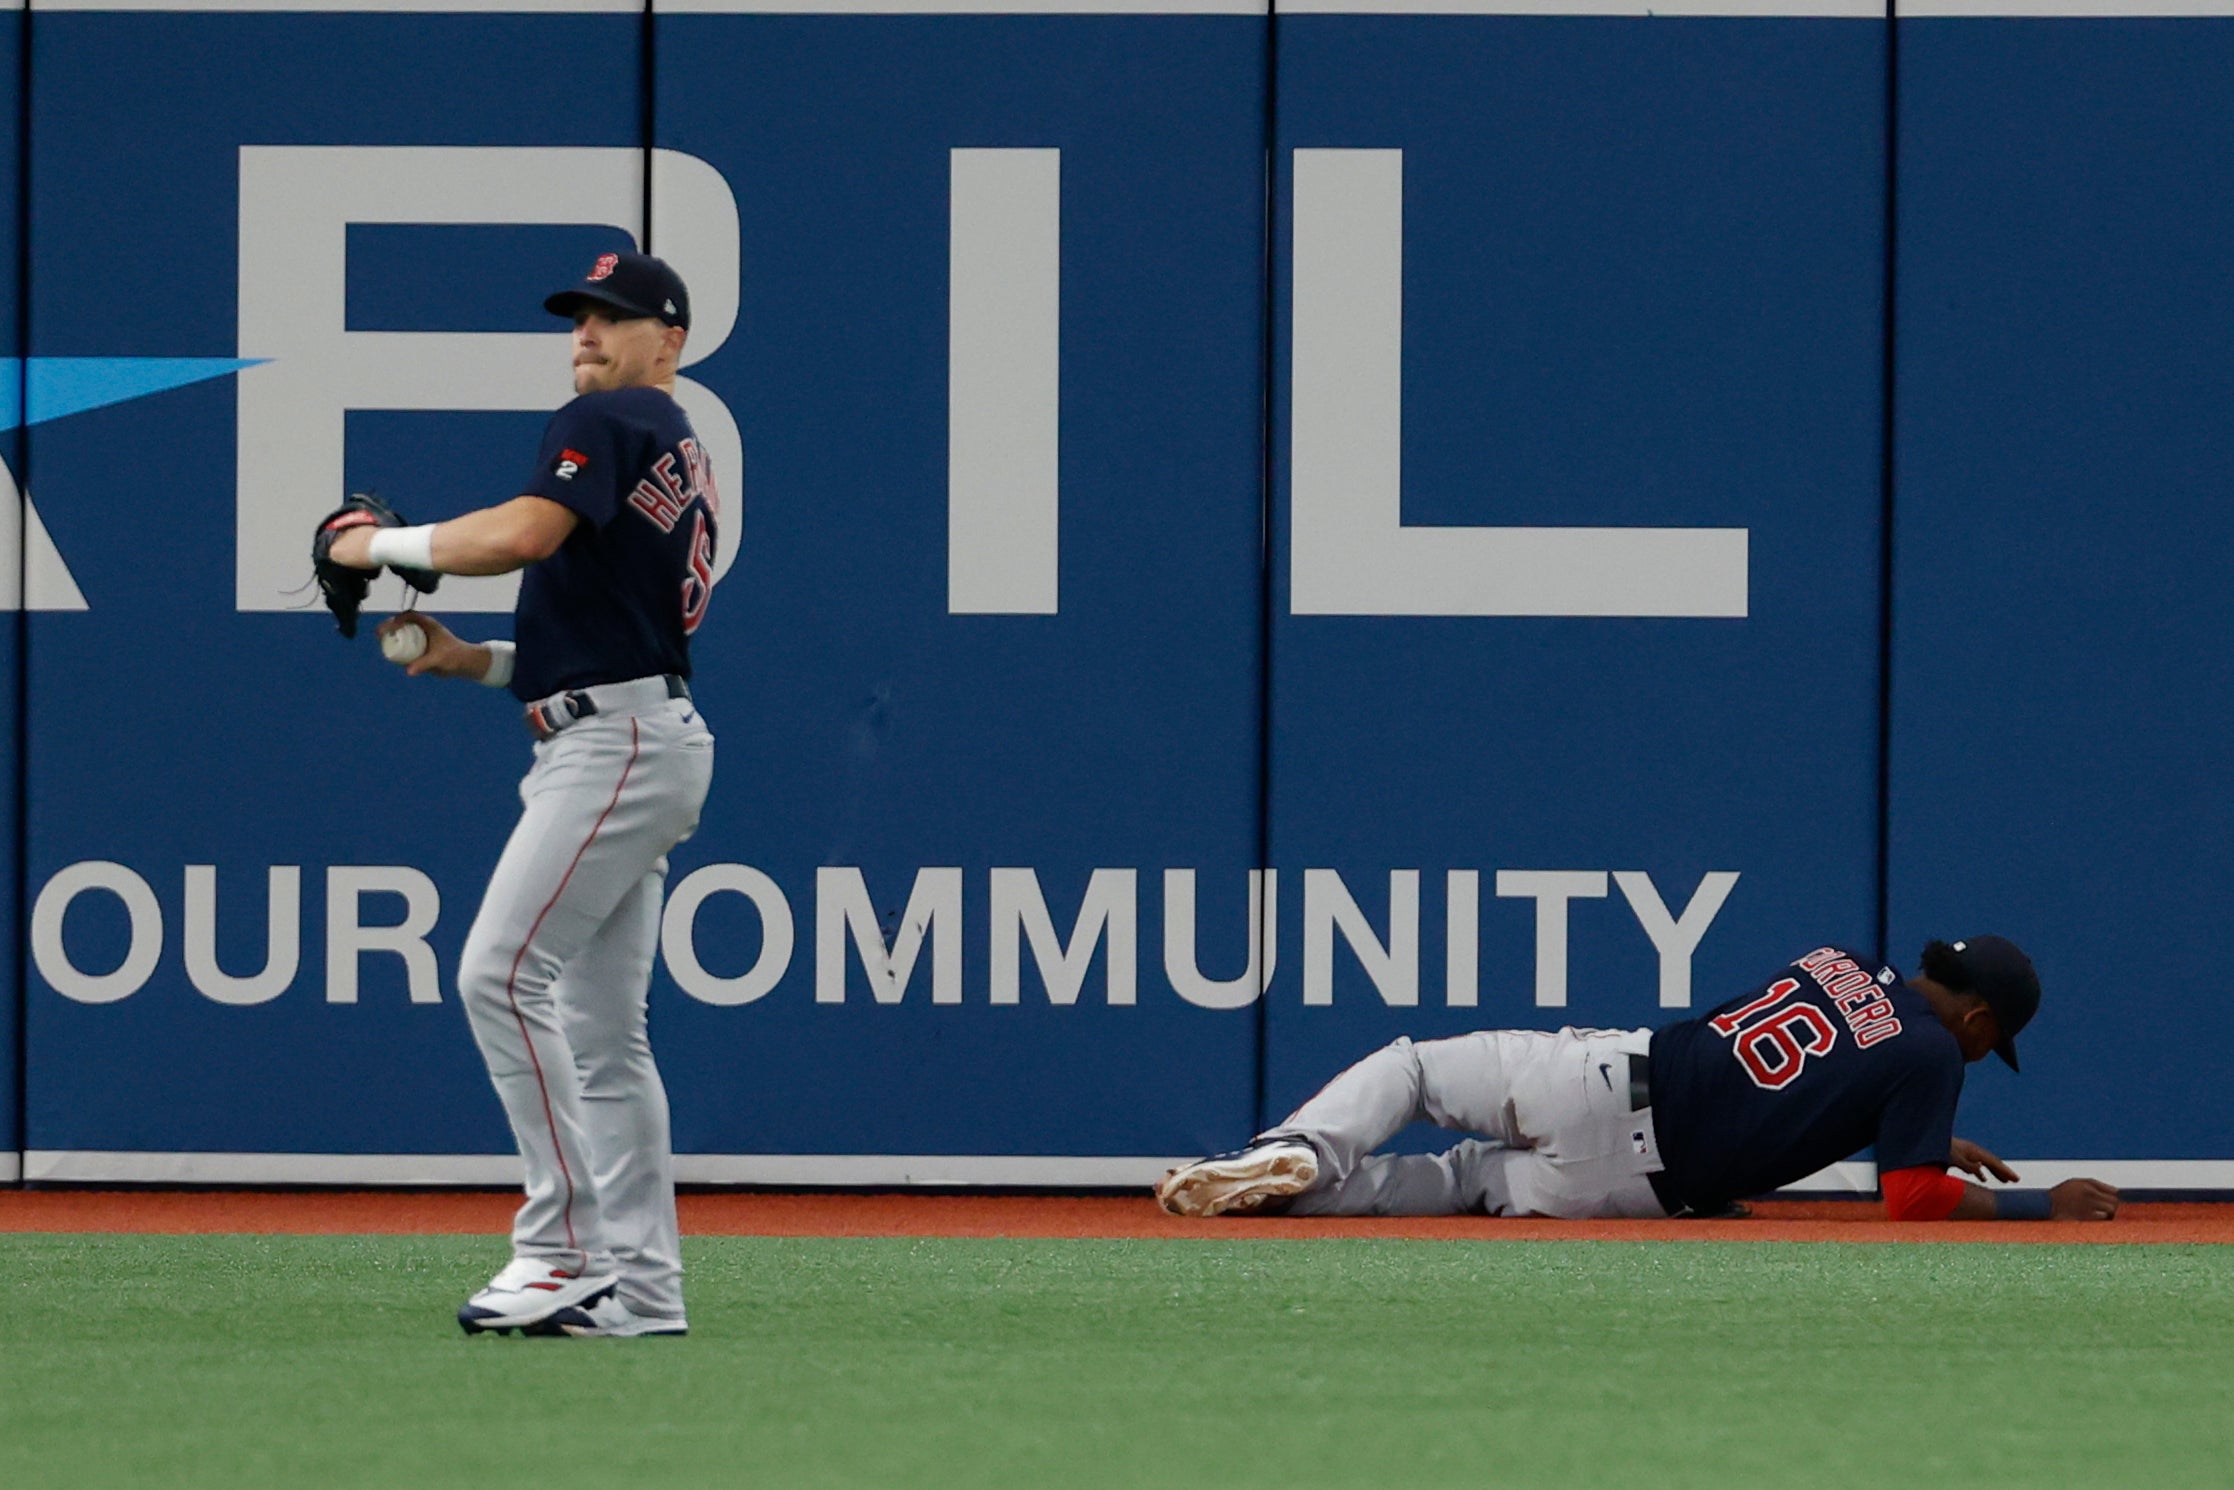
[
  {"x": 1826, "y": 1058},
  {"x": 616, "y": 531}
]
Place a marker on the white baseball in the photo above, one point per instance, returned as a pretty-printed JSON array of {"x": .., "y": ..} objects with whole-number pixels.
[{"x": 404, "y": 644}]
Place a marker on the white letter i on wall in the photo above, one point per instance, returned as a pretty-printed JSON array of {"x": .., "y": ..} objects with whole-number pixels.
[{"x": 1004, "y": 313}]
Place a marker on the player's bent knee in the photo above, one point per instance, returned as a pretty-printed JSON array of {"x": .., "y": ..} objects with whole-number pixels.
[
  {"x": 611, "y": 1062},
  {"x": 484, "y": 984},
  {"x": 1401, "y": 1048}
]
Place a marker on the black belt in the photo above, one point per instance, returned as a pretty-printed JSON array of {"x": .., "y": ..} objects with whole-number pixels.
[
  {"x": 1640, "y": 1097},
  {"x": 546, "y": 717}
]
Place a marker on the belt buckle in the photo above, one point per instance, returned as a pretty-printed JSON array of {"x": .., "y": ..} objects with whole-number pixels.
[{"x": 547, "y": 716}]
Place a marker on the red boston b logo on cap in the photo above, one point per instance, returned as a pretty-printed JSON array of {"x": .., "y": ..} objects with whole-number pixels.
[{"x": 606, "y": 264}]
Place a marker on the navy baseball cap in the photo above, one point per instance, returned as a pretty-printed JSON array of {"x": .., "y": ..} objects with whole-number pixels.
[
  {"x": 636, "y": 285},
  {"x": 2001, "y": 974}
]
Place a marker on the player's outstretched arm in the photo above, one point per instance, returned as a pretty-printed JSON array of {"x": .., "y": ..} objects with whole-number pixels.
[
  {"x": 446, "y": 655},
  {"x": 1976, "y": 1204},
  {"x": 1927, "y": 1193},
  {"x": 2073, "y": 1200},
  {"x": 494, "y": 540},
  {"x": 1977, "y": 1161}
]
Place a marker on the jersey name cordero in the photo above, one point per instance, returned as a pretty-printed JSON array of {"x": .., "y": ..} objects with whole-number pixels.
[
  {"x": 1825, "y": 1059},
  {"x": 623, "y": 594}
]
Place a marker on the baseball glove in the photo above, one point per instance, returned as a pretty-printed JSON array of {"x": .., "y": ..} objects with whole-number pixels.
[{"x": 343, "y": 586}]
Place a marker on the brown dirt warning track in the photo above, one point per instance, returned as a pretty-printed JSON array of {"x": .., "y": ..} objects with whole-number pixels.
[{"x": 823, "y": 1214}]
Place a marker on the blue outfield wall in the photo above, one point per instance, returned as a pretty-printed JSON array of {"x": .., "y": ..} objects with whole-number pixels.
[
  {"x": 965, "y": 694},
  {"x": 225, "y": 801},
  {"x": 1245, "y": 539},
  {"x": 1576, "y": 640},
  {"x": 2062, "y": 694},
  {"x": 995, "y": 620}
]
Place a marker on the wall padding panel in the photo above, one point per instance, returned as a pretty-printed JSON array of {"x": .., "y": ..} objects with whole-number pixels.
[
  {"x": 1577, "y": 584},
  {"x": 999, "y": 357},
  {"x": 2062, "y": 691},
  {"x": 316, "y": 193}
]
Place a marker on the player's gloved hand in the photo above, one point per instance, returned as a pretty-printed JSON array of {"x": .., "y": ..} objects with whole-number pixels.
[
  {"x": 2082, "y": 1200},
  {"x": 1977, "y": 1161},
  {"x": 344, "y": 582}
]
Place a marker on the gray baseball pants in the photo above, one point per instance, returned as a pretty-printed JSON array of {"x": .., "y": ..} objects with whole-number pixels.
[
  {"x": 1558, "y": 1138},
  {"x": 554, "y": 980}
]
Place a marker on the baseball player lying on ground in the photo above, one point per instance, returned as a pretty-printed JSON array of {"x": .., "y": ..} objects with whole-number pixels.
[{"x": 1823, "y": 1060}]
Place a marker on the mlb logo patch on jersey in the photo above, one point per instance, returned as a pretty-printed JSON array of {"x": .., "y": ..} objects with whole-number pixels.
[{"x": 570, "y": 462}]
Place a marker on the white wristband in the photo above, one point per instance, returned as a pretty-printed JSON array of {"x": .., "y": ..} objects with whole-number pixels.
[
  {"x": 499, "y": 674},
  {"x": 411, "y": 548}
]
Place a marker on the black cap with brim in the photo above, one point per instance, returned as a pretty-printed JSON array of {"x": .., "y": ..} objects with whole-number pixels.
[
  {"x": 2000, "y": 973},
  {"x": 636, "y": 285}
]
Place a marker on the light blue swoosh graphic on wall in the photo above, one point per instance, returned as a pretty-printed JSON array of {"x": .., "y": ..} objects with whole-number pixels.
[{"x": 37, "y": 389}]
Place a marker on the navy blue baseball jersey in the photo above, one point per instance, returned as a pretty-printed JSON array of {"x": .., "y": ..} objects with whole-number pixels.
[
  {"x": 623, "y": 594},
  {"x": 1825, "y": 1059}
]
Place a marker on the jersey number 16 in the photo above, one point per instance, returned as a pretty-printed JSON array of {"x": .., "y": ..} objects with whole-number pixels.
[{"x": 1773, "y": 1044}]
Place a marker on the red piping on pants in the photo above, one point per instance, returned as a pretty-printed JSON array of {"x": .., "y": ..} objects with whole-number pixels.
[{"x": 634, "y": 740}]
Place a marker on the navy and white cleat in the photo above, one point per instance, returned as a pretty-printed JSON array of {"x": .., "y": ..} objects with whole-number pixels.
[
  {"x": 529, "y": 1291},
  {"x": 1243, "y": 1180},
  {"x": 607, "y": 1319}
]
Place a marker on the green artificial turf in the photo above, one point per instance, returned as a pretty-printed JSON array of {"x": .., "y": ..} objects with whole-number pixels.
[{"x": 333, "y": 1361}]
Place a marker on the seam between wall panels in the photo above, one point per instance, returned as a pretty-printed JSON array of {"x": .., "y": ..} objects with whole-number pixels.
[
  {"x": 20, "y": 785},
  {"x": 1267, "y": 609},
  {"x": 647, "y": 107},
  {"x": 1888, "y": 333}
]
